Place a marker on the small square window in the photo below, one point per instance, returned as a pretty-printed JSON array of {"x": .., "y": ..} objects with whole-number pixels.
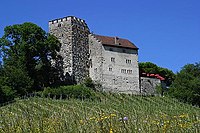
[
  {"x": 129, "y": 71},
  {"x": 90, "y": 63},
  {"x": 123, "y": 70},
  {"x": 59, "y": 25},
  {"x": 110, "y": 69},
  {"x": 112, "y": 59},
  {"x": 128, "y": 61}
]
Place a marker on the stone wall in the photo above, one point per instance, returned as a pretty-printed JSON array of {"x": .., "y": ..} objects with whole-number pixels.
[
  {"x": 96, "y": 59},
  {"x": 148, "y": 85},
  {"x": 122, "y": 74},
  {"x": 109, "y": 71},
  {"x": 73, "y": 35}
]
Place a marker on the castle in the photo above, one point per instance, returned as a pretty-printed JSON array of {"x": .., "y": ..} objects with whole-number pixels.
[{"x": 110, "y": 61}]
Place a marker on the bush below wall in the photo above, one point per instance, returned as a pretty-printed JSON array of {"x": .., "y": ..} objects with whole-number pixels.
[{"x": 72, "y": 91}]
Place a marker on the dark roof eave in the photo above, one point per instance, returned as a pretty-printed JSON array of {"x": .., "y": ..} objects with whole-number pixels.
[{"x": 119, "y": 46}]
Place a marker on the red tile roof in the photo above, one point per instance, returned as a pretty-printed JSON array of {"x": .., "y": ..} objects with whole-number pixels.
[
  {"x": 110, "y": 41},
  {"x": 152, "y": 76}
]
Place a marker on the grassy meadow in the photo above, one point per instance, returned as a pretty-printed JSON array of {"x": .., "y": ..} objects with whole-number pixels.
[{"x": 111, "y": 113}]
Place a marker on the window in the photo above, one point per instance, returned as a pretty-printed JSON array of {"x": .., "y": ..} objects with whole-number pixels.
[
  {"x": 110, "y": 69},
  {"x": 59, "y": 25},
  {"x": 123, "y": 70},
  {"x": 90, "y": 62},
  {"x": 129, "y": 71},
  {"x": 128, "y": 61},
  {"x": 126, "y": 71},
  {"x": 112, "y": 59},
  {"x": 95, "y": 70}
]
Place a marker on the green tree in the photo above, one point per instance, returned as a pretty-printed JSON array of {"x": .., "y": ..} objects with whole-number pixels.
[
  {"x": 186, "y": 86},
  {"x": 16, "y": 79},
  {"x": 148, "y": 67},
  {"x": 6, "y": 93},
  {"x": 27, "y": 52}
]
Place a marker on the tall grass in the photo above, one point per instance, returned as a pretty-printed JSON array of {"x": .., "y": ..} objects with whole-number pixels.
[{"x": 111, "y": 113}]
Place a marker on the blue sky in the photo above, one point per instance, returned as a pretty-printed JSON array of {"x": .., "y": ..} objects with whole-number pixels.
[{"x": 167, "y": 32}]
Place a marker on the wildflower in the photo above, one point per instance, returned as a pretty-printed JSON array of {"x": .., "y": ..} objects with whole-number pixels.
[
  {"x": 165, "y": 126},
  {"x": 145, "y": 121},
  {"x": 182, "y": 125},
  {"x": 105, "y": 117},
  {"x": 154, "y": 122},
  {"x": 81, "y": 122},
  {"x": 19, "y": 129},
  {"x": 113, "y": 115},
  {"x": 183, "y": 116},
  {"x": 125, "y": 118},
  {"x": 166, "y": 121},
  {"x": 92, "y": 118},
  {"x": 111, "y": 130}
]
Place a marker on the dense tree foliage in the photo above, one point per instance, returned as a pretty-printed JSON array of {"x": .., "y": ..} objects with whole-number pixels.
[
  {"x": 186, "y": 86},
  {"x": 148, "y": 67},
  {"x": 27, "y": 52}
]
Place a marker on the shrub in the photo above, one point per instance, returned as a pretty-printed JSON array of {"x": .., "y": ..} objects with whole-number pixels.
[
  {"x": 89, "y": 83},
  {"x": 159, "y": 90},
  {"x": 71, "y": 91},
  {"x": 6, "y": 94}
]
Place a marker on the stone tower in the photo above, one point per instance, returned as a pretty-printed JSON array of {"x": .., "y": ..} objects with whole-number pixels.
[{"x": 73, "y": 34}]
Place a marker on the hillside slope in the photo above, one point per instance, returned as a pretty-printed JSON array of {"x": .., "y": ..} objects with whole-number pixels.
[{"x": 113, "y": 113}]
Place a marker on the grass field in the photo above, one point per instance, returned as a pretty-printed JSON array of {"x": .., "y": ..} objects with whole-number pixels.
[{"x": 114, "y": 113}]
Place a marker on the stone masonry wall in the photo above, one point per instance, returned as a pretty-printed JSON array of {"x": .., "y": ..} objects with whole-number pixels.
[
  {"x": 148, "y": 85},
  {"x": 96, "y": 59},
  {"x": 73, "y": 35},
  {"x": 80, "y": 53},
  {"x": 122, "y": 74},
  {"x": 109, "y": 73}
]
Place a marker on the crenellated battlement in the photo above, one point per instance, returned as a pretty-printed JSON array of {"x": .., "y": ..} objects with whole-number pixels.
[
  {"x": 68, "y": 18},
  {"x": 73, "y": 35}
]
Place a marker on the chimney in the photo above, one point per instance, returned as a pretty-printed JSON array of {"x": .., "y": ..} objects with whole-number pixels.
[{"x": 117, "y": 40}]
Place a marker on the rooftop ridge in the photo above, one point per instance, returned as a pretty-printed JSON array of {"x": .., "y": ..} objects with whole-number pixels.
[
  {"x": 110, "y": 40},
  {"x": 113, "y": 37}
]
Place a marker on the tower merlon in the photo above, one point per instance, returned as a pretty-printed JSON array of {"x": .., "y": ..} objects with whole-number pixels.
[{"x": 68, "y": 18}]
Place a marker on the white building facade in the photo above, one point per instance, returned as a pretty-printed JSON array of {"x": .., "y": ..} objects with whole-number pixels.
[{"x": 114, "y": 64}]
